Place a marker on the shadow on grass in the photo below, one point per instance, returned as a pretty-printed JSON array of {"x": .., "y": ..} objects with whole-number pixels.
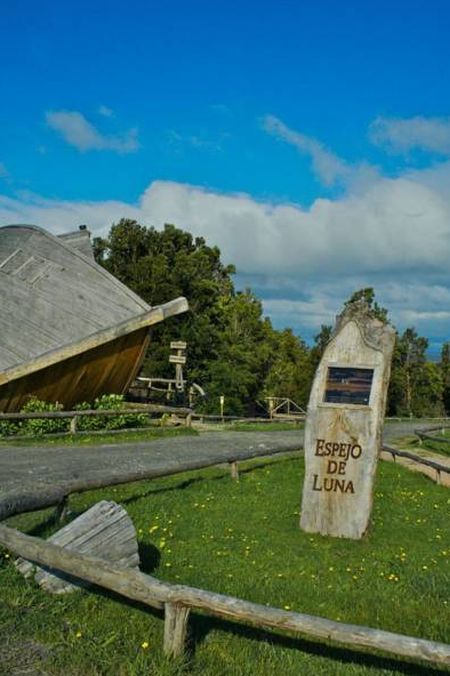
[
  {"x": 201, "y": 626},
  {"x": 187, "y": 483}
]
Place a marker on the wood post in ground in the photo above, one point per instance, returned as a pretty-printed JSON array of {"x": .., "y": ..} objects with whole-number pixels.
[
  {"x": 61, "y": 509},
  {"x": 234, "y": 469},
  {"x": 73, "y": 425},
  {"x": 188, "y": 420},
  {"x": 175, "y": 629}
]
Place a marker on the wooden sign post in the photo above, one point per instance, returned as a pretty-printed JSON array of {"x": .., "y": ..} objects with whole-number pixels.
[
  {"x": 179, "y": 359},
  {"x": 344, "y": 425}
]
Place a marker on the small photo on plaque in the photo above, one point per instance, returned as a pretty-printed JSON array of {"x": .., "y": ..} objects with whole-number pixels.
[{"x": 348, "y": 385}]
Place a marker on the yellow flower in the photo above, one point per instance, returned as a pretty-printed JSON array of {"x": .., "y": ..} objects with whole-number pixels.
[
  {"x": 78, "y": 634},
  {"x": 287, "y": 607},
  {"x": 144, "y": 645}
]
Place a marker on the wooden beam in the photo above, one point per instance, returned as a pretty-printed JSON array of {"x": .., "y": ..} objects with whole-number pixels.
[
  {"x": 148, "y": 590},
  {"x": 157, "y": 314}
]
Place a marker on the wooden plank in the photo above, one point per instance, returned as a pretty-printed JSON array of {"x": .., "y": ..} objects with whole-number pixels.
[
  {"x": 178, "y": 345},
  {"x": 176, "y": 359},
  {"x": 146, "y": 589},
  {"x": 105, "y": 530}
]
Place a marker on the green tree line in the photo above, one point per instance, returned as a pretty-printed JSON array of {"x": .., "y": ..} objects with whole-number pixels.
[{"x": 233, "y": 350}]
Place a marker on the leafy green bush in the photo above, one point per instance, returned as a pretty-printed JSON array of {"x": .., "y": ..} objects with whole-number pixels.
[
  {"x": 8, "y": 429},
  {"x": 38, "y": 427},
  {"x": 41, "y": 426},
  {"x": 109, "y": 402}
]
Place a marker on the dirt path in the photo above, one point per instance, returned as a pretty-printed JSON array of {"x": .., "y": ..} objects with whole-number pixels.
[{"x": 31, "y": 467}]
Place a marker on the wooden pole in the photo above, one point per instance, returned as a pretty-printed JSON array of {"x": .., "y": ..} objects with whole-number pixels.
[
  {"x": 175, "y": 629},
  {"x": 148, "y": 590},
  {"x": 234, "y": 468},
  {"x": 73, "y": 425}
]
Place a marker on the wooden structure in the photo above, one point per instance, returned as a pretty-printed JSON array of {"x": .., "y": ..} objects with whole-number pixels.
[
  {"x": 69, "y": 330},
  {"x": 104, "y": 531},
  {"x": 283, "y": 408}
]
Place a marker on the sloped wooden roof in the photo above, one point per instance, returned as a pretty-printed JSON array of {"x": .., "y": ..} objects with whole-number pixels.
[{"x": 56, "y": 301}]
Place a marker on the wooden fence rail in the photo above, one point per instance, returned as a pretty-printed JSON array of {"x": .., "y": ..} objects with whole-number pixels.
[
  {"x": 417, "y": 458},
  {"x": 425, "y": 434},
  {"x": 178, "y": 600}
]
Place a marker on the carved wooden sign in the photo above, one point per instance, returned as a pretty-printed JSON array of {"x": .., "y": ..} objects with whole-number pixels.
[{"x": 344, "y": 425}]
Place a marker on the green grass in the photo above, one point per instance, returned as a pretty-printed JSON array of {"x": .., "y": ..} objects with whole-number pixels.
[
  {"x": 265, "y": 427},
  {"x": 438, "y": 446},
  {"x": 242, "y": 539},
  {"x": 89, "y": 439}
]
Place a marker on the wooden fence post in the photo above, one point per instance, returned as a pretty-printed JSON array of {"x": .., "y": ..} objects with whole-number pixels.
[
  {"x": 234, "y": 468},
  {"x": 73, "y": 425},
  {"x": 61, "y": 509},
  {"x": 175, "y": 629}
]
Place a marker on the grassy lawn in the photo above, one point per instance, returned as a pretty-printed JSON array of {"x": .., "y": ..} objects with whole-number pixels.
[
  {"x": 265, "y": 427},
  {"x": 438, "y": 446},
  {"x": 242, "y": 539},
  {"x": 90, "y": 439}
]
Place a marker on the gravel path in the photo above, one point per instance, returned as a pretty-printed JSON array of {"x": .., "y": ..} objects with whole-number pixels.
[
  {"x": 45, "y": 465},
  {"x": 31, "y": 466}
]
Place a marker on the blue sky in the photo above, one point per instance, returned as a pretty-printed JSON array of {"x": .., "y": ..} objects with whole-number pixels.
[{"x": 309, "y": 140}]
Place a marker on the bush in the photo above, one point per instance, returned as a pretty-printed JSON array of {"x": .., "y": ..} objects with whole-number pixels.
[
  {"x": 8, "y": 429},
  {"x": 41, "y": 426},
  {"x": 38, "y": 427},
  {"x": 109, "y": 402}
]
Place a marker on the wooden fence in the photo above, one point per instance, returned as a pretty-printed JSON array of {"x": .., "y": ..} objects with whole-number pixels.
[
  {"x": 437, "y": 466},
  {"x": 74, "y": 416},
  {"x": 178, "y": 600},
  {"x": 424, "y": 434}
]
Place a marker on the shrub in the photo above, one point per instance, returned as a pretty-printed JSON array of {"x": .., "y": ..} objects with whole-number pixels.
[
  {"x": 8, "y": 429},
  {"x": 41, "y": 426},
  {"x": 109, "y": 402}
]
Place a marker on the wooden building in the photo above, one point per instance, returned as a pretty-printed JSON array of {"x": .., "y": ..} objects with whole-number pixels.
[{"x": 69, "y": 330}]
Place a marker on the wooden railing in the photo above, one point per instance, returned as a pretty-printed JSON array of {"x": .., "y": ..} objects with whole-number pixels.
[
  {"x": 424, "y": 434},
  {"x": 178, "y": 600},
  {"x": 395, "y": 452}
]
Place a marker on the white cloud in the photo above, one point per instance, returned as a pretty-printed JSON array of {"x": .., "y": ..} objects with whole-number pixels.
[
  {"x": 402, "y": 135},
  {"x": 105, "y": 111},
  {"x": 328, "y": 166},
  {"x": 78, "y": 132},
  {"x": 393, "y": 234}
]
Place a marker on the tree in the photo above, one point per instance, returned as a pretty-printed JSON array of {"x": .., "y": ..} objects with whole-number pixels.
[
  {"x": 161, "y": 265},
  {"x": 321, "y": 340},
  {"x": 445, "y": 375},
  {"x": 368, "y": 296},
  {"x": 290, "y": 373},
  {"x": 416, "y": 385}
]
